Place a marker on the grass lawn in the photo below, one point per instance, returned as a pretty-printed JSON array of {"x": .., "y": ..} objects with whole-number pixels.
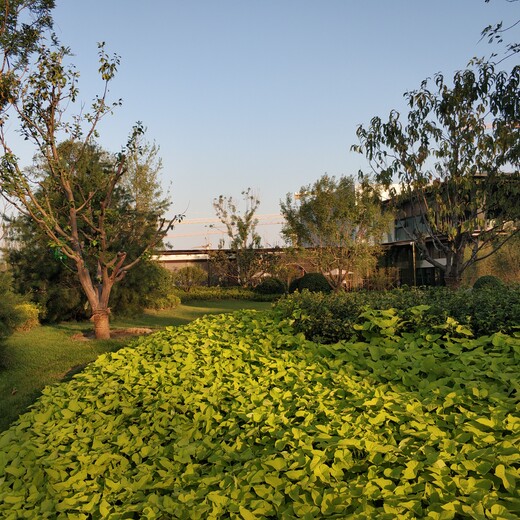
[{"x": 29, "y": 361}]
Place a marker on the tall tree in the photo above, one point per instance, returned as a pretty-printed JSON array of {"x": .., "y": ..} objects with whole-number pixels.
[
  {"x": 340, "y": 225},
  {"x": 77, "y": 214},
  {"x": 243, "y": 240},
  {"x": 22, "y": 24},
  {"x": 456, "y": 158}
]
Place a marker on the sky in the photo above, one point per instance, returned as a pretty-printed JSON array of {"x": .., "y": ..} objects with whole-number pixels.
[{"x": 262, "y": 94}]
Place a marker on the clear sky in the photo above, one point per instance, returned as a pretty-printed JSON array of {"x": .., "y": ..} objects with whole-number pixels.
[{"x": 264, "y": 94}]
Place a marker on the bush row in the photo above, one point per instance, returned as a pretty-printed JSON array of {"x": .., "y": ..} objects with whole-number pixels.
[
  {"x": 328, "y": 318},
  {"x": 223, "y": 293}
]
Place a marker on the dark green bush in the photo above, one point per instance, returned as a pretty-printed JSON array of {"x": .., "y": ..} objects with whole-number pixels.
[
  {"x": 146, "y": 286},
  {"x": 488, "y": 281},
  {"x": 313, "y": 282},
  {"x": 223, "y": 293},
  {"x": 11, "y": 313},
  {"x": 293, "y": 286},
  {"x": 330, "y": 318},
  {"x": 270, "y": 286},
  {"x": 188, "y": 277}
]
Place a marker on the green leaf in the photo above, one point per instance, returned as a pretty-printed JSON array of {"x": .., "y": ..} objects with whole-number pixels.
[{"x": 507, "y": 477}]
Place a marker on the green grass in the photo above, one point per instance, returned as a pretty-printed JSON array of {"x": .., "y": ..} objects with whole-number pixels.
[{"x": 46, "y": 355}]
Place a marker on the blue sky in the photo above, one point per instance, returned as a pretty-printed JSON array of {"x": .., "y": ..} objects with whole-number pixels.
[{"x": 264, "y": 94}]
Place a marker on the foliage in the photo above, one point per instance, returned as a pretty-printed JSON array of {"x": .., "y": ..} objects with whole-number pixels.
[
  {"x": 270, "y": 285},
  {"x": 339, "y": 225},
  {"x": 22, "y": 25},
  {"x": 11, "y": 314},
  {"x": 141, "y": 179},
  {"x": 29, "y": 316},
  {"x": 188, "y": 277},
  {"x": 285, "y": 265},
  {"x": 457, "y": 172},
  {"x": 147, "y": 286},
  {"x": 202, "y": 293},
  {"x": 383, "y": 278},
  {"x": 49, "y": 354},
  {"x": 245, "y": 261},
  {"x": 80, "y": 196},
  {"x": 313, "y": 282},
  {"x": 495, "y": 34},
  {"x": 504, "y": 264},
  {"x": 236, "y": 417},
  {"x": 43, "y": 273},
  {"x": 330, "y": 318},
  {"x": 49, "y": 278},
  {"x": 488, "y": 281}
]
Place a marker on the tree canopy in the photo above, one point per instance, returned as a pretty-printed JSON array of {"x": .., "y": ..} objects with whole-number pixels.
[
  {"x": 340, "y": 224},
  {"x": 243, "y": 239},
  {"x": 455, "y": 156},
  {"x": 22, "y": 24}
]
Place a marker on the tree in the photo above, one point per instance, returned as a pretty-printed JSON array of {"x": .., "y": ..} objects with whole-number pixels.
[
  {"x": 456, "y": 158},
  {"x": 189, "y": 276},
  {"x": 244, "y": 241},
  {"x": 78, "y": 206},
  {"x": 49, "y": 276},
  {"x": 22, "y": 24},
  {"x": 142, "y": 177},
  {"x": 339, "y": 224}
]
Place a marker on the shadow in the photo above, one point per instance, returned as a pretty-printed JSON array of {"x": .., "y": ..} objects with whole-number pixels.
[{"x": 73, "y": 371}]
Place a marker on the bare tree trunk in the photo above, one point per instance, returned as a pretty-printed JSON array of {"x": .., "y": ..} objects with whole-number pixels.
[
  {"x": 453, "y": 281},
  {"x": 98, "y": 299},
  {"x": 453, "y": 273},
  {"x": 100, "y": 317}
]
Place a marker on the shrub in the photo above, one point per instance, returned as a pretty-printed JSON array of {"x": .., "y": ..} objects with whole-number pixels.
[
  {"x": 293, "y": 285},
  {"x": 188, "y": 277},
  {"x": 169, "y": 301},
  {"x": 11, "y": 315},
  {"x": 223, "y": 293},
  {"x": 29, "y": 316},
  {"x": 147, "y": 286},
  {"x": 330, "y": 318},
  {"x": 488, "y": 281},
  {"x": 313, "y": 282},
  {"x": 270, "y": 286}
]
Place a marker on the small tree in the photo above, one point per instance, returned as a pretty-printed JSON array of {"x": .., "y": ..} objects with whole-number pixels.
[
  {"x": 80, "y": 218},
  {"x": 339, "y": 225},
  {"x": 188, "y": 277},
  {"x": 244, "y": 241},
  {"x": 456, "y": 157},
  {"x": 43, "y": 271}
]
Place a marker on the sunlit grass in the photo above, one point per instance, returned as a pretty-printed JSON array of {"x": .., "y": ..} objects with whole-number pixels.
[{"x": 46, "y": 355}]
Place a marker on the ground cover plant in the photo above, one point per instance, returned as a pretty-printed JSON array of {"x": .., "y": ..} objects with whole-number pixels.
[
  {"x": 46, "y": 355},
  {"x": 240, "y": 417}
]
